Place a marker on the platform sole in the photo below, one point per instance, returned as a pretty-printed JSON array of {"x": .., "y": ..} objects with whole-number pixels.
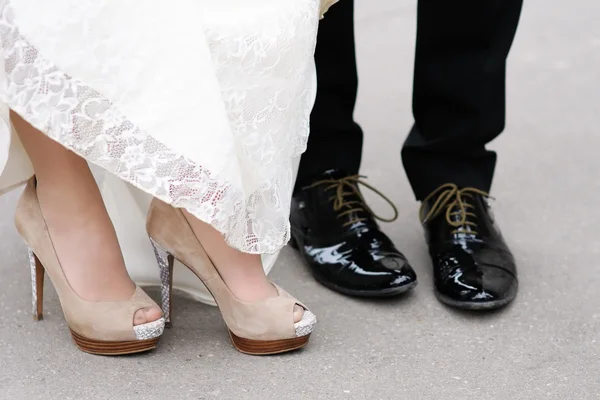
[
  {"x": 113, "y": 348},
  {"x": 267, "y": 347}
]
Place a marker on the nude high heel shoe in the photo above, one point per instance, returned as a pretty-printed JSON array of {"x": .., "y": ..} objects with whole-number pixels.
[
  {"x": 104, "y": 328},
  {"x": 259, "y": 328}
]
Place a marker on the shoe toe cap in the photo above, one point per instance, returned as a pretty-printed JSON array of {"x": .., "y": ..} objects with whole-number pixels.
[
  {"x": 386, "y": 274},
  {"x": 486, "y": 286}
]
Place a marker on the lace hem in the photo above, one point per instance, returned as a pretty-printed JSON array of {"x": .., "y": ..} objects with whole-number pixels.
[{"x": 87, "y": 123}]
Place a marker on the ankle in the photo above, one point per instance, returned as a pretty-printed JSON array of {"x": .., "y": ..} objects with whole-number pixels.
[{"x": 71, "y": 196}]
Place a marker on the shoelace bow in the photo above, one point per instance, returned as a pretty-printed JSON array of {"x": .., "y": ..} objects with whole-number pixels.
[
  {"x": 346, "y": 207},
  {"x": 454, "y": 201}
]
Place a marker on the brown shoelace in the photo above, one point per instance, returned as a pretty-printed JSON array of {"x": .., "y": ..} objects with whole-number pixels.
[
  {"x": 347, "y": 207},
  {"x": 455, "y": 202}
]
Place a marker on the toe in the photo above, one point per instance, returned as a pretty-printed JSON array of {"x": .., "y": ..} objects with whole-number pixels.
[
  {"x": 145, "y": 315},
  {"x": 298, "y": 313}
]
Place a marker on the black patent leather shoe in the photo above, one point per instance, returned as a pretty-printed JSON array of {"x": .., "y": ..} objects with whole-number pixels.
[
  {"x": 473, "y": 267},
  {"x": 340, "y": 241}
]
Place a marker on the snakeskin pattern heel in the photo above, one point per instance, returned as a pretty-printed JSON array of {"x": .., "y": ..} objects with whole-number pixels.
[{"x": 165, "y": 264}]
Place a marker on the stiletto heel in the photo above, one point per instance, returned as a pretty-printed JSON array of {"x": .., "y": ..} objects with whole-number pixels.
[
  {"x": 104, "y": 327},
  {"x": 262, "y": 327},
  {"x": 165, "y": 264},
  {"x": 37, "y": 286}
]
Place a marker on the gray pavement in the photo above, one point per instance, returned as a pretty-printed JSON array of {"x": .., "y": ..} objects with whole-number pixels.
[{"x": 544, "y": 346}]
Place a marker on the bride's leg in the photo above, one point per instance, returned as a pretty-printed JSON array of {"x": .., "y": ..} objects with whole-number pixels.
[
  {"x": 242, "y": 272},
  {"x": 81, "y": 230}
]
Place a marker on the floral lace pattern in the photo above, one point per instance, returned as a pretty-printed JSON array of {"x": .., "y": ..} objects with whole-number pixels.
[{"x": 266, "y": 77}]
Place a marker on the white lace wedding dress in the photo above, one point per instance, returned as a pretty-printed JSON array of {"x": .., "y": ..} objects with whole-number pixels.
[{"x": 202, "y": 103}]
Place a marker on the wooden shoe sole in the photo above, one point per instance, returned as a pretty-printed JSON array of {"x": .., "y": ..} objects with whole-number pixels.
[
  {"x": 109, "y": 348},
  {"x": 266, "y": 347}
]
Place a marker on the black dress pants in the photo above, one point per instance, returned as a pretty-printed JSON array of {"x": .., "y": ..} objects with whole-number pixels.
[{"x": 458, "y": 93}]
